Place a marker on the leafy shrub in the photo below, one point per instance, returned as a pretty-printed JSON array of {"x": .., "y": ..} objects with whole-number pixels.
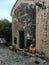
[{"x": 26, "y": 49}]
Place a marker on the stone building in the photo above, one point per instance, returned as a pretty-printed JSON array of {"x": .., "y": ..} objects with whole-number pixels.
[{"x": 30, "y": 25}]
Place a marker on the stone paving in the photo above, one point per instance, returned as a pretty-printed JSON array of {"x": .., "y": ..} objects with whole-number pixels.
[{"x": 8, "y": 57}]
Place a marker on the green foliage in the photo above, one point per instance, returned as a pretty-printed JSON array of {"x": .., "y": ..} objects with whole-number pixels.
[
  {"x": 6, "y": 30},
  {"x": 26, "y": 49}
]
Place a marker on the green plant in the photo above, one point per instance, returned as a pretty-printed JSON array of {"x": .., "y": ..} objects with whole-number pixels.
[{"x": 26, "y": 49}]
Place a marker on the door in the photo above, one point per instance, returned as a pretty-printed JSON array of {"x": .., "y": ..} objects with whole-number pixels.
[{"x": 21, "y": 39}]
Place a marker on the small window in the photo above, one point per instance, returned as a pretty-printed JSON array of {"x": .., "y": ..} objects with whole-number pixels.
[{"x": 15, "y": 40}]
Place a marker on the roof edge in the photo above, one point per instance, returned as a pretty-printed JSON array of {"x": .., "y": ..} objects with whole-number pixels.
[
  {"x": 17, "y": 3},
  {"x": 13, "y": 7}
]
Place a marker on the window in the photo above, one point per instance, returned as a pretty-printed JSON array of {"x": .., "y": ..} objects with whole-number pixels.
[{"x": 15, "y": 40}]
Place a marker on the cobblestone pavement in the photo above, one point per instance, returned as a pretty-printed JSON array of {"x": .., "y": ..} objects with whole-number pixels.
[{"x": 8, "y": 57}]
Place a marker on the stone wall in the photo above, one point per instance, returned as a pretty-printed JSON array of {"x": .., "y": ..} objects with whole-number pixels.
[
  {"x": 42, "y": 31},
  {"x": 24, "y": 19}
]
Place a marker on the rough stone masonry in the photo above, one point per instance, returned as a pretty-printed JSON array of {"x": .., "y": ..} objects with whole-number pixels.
[{"x": 42, "y": 25}]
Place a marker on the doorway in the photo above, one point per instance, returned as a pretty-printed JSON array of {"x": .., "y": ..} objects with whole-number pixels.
[{"x": 21, "y": 40}]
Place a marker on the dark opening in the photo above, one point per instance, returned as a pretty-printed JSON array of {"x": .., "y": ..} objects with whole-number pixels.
[
  {"x": 37, "y": 62},
  {"x": 29, "y": 42},
  {"x": 15, "y": 40}
]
